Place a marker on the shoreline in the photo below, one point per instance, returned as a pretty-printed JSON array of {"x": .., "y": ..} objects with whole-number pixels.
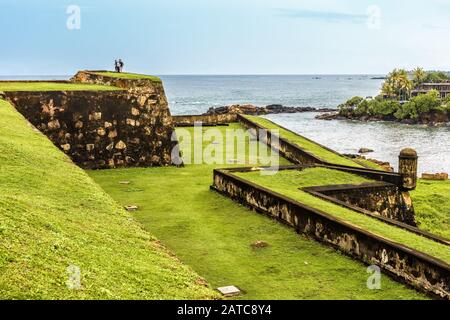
[{"x": 329, "y": 116}]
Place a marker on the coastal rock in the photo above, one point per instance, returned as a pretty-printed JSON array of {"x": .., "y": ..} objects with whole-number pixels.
[
  {"x": 365, "y": 150},
  {"x": 328, "y": 116},
  {"x": 432, "y": 118},
  {"x": 250, "y": 109}
]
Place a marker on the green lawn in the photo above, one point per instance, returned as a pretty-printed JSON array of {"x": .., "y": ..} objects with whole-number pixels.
[
  {"x": 126, "y": 75},
  {"x": 213, "y": 234},
  {"x": 305, "y": 144},
  {"x": 287, "y": 183},
  {"x": 432, "y": 206},
  {"x": 53, "y": 86},
  {"x": 52, "y": 216}
]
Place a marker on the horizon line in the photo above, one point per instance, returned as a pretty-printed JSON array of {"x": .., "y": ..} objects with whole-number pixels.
[{"x": 213, "y": 74}]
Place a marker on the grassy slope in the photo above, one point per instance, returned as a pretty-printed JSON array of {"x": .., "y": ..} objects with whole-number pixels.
[
  {"x": 213, "y": 234},
  {"x": 305, "y": 144},
  {"x": 53, "y": 215},
  {"x": 53, "y": 86},
  {"x": 288, "y": 182},
  {"x": 126, "y": 75},
  {"x": 432, "y": 206}
]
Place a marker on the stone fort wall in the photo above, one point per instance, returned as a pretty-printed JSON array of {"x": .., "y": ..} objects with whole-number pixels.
[{"x": 104, "y": 129}]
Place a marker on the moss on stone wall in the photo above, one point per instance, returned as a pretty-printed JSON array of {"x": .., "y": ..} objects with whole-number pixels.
[{"x": 53, "y": 86}]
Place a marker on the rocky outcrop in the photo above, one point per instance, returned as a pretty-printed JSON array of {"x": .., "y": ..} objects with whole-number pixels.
[
  {"x": 434, "y": 118},
  {"x": 365, "y": 150},
  {"x": 330, "y": 116},
  {"x": 104, "y": 129},
  {"x": 250, "y": 109}
]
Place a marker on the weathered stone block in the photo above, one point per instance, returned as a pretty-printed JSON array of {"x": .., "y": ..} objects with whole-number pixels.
[
  {"x": 53, "y": 125},
  {"x": 65, "y": 147},
  {"x": 101, "y": 131},
  {"x": 112, "y": 134},
  {"x": 121, "y": 145},
  {"x": 79, "y": 124},
  {"x": 95, "y": 116}
]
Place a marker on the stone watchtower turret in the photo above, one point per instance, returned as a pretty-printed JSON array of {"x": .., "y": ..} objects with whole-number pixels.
[{"x": 407, "y": 167}]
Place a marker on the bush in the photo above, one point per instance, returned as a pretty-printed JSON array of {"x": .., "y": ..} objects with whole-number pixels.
[
  {"x": 388, "y": 108},
  {"x": 362, "y": 108},
  {"x": 385, "y": 108},
  {"x": 419, "y": 105},
  {"x": 347, "y": 108}
]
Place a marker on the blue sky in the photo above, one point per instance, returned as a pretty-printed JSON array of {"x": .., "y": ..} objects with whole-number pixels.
[{"x": 225, "y": 36}]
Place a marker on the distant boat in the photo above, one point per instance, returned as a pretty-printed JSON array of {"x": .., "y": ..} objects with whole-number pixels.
[{"x": 378, "y": 78}]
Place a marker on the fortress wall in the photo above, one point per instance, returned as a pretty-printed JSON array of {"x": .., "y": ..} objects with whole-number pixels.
[
  {"x": 285, "y": 148},
  {"x": 380, "y": 198},
  {"x": 104, "y": 129},
  {"x": 410, "y": 266}
]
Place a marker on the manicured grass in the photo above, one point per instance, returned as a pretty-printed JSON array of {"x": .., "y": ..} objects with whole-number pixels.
[
  {"x": 305, "y": 144},
  {"x": 126, "y": 75},
  {"x": 213, "y": 234},
  {"x": 53, "y": 86},
  {"x": 432, "y": 206},
  {"x": 52, "y": 216},
  {"x": 287, "y": 183},
  {"x": 217, "y": 146}
]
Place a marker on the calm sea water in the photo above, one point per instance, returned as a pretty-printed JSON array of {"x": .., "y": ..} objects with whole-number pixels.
[{"x": 195, "y": 94}]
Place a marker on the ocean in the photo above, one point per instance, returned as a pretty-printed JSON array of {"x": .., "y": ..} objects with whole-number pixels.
[
  {"x": 191, "y": 94},
  {"x": 195, "y": 94}
]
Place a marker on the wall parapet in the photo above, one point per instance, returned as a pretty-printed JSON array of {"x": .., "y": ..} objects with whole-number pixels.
[
  {"x": 424, "y": 272},
  {"x": 206, "y": 120},
  {"x": 284, "y": 147}
]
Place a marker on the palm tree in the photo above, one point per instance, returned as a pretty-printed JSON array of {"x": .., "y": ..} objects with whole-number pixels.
[
  {"x": 397, "y": 84},
  {"x": 419, "y": 76}
]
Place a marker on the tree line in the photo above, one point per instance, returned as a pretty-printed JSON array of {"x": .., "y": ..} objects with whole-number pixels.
[{"x": 395, "y": 101}]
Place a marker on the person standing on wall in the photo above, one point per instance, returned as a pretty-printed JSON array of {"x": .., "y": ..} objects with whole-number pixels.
[
  {"x": 116, "y": 66},
  {"x": 121, "y": 64}
]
